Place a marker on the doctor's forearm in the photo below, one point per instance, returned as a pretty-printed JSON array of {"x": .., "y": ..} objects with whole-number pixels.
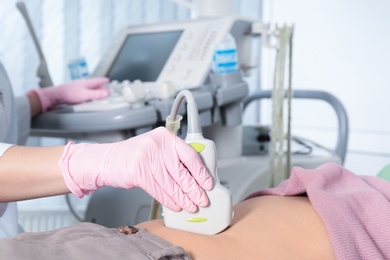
[
  {"x": 31, "y": 172},
  {"x": 35, "y": 103}
]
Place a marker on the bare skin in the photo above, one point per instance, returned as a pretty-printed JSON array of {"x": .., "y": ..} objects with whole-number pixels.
[
  {"x": 267, "y": 227},
  {"x": 42, "y": 180},
  {"x": 35, "y": 104}
]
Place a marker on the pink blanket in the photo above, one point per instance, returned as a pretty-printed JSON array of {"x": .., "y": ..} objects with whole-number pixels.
[{"x": 355, "y": 209}]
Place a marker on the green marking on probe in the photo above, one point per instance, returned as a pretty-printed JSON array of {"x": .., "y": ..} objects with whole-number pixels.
[
  {"x": 196, "y": 219},
  {"x": 198, "y": 147}
]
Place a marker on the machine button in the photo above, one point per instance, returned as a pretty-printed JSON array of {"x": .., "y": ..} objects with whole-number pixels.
[
  {"x": 186, "y": 74},
  {"x": 177, "y": 57},
  {"x": 171, "y": 68},
  {"x": 183, "y": 46},
  {"x": 189, "y": 36}
]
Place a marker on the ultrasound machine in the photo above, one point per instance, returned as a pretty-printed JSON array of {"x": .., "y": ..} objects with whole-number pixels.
[{"x": 157, "y": 60}]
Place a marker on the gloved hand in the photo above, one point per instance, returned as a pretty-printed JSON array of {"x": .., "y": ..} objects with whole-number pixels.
[
  {"x": 73, "y": 92},
  {"x": 157, "y": 161}
]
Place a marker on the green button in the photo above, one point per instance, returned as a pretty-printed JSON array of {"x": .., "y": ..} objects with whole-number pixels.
[
  {"x": 198, "y": 147},
  {"x": 197, "y": 219}
]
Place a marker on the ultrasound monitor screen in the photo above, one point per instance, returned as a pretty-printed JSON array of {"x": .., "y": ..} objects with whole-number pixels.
[{"x": 143, "y": 56}]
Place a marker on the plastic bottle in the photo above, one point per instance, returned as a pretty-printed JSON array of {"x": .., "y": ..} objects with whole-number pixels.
[
  {"x": 225, "y": 56},
  {"x": 78, "y": 68}
]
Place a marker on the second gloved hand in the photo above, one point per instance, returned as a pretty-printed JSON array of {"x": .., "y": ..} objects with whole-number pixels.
[
  {"x": 73, "y": 92},
  {"x": 158, "y": 161}
]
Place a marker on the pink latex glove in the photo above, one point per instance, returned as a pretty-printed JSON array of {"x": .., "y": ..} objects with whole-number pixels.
[
  {"x": 157, "y": 161},
  {"x": 73, "y": 92}
]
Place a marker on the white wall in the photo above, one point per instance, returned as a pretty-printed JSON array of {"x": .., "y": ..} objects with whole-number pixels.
[{"x": 341, "y": 47}]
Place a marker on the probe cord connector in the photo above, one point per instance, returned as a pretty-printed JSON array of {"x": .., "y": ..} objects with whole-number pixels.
[{"x": 172, "y": 122}]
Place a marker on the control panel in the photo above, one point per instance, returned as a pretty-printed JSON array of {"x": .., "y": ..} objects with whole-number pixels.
[{"x": 189, "y": 63}]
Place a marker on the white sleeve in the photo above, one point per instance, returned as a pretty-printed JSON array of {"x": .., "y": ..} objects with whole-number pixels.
[
  {"x": 4, "y": 147},
  {"x": 24, "y": 118}
]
